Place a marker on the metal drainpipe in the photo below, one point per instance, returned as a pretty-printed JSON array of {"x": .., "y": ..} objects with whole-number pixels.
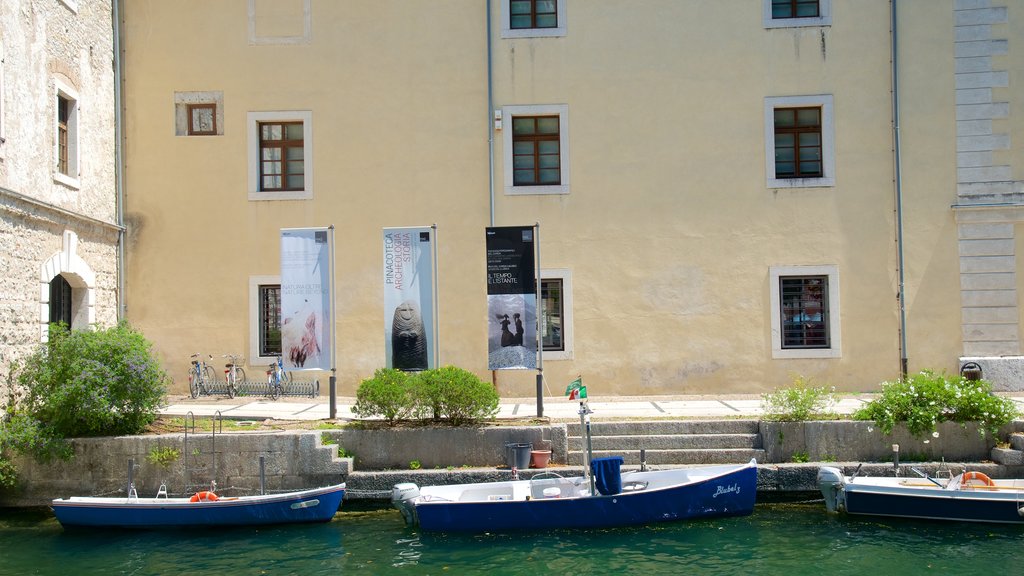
[
  {"x": 901, "y": 296},
  {"x": 119, "y": 158},
  {"x": 490, "y": 115}
]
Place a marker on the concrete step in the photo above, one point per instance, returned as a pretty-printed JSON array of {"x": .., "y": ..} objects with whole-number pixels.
[
  {"x": 667, "y": 427},
  {"x": 675, "y": 457},
  {"x": 669, "y": 442}
]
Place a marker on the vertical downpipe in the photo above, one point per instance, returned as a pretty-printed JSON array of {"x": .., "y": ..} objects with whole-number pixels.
[
  {"x": 901, "y": 296},
  {"x": 490, "y": 116},
  {"x": 119, "y": 158}
]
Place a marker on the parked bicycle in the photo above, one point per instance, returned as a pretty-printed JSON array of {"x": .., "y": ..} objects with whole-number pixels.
[
  {"x": 199, "y": 375},
  {"x": 233, "y": 374},
  {"x": 276, "y": 377}
]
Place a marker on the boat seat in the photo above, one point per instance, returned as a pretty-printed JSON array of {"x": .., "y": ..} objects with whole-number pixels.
[{"x": 556, "y": 487}]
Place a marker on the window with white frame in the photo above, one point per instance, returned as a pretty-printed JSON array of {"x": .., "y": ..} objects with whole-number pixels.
[
  {"x": 796, "y": 13},
  {"x": 805, "y": 311},
  {"x": 66, "y": 140},
  {"x": 280, "y": 155},
  {"x": 556, "y": 314},
  {"x": 264, "y": 319},
  {"x": 536, "y": 149},
  {"x": 532, "y": 18},
  {"x": 799, "y": 141}
]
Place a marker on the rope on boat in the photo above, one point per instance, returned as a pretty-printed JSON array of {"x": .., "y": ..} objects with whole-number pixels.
[{"x": 377, "y": 494}]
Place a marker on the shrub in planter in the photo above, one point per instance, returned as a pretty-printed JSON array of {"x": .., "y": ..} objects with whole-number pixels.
[
  {"x": 455, "y": 395},
  {"x": 922, "y": 400},
  {"x": 389, "y": 393}
]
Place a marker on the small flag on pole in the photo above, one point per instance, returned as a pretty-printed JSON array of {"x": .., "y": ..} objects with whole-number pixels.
[{"x": 576, "y": 390}]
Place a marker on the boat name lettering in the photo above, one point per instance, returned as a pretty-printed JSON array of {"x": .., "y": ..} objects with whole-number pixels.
[{"x": 734, "y": 489}]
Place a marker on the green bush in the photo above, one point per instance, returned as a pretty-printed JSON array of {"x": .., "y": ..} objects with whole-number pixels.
[
  {"x": 91, "y": 383},
  {"x": 799, "y": 403},
  {"x": 455, "y": 395},
  {"x": 389, "y": 393},
  {"x": 923, "y": 400}
]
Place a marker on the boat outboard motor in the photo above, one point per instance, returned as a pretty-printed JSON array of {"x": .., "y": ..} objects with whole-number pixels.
[
  {"x": 402, "y": 497},
  {"x": 830, "y": 482}
]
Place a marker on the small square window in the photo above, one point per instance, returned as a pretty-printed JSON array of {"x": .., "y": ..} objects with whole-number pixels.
[{"x": 202, "y": 119}]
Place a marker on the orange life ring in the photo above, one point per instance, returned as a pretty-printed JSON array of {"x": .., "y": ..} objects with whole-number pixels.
[
  {"x": 203, "y": 497},
  {"x": 979, "y": 476}
]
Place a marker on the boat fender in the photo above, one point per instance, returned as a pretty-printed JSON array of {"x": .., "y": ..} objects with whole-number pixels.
[
  {"x": 975, "y": 475},
  {"x": 203, "y": 497}
]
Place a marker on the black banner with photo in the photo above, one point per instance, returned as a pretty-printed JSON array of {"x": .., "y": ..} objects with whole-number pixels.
[{"x": 511, "y": 298}]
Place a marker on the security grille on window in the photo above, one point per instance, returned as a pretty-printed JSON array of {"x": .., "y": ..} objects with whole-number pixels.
[
  {"x": 63, "y": 117},
  {"x": 202, "y": 119},
  {"x": 270, "y": 320},
  {"x": 805, "y": 311},
  {"x": 536, "y": 151},
  {"x": 281, "y": 156},
  {"x": 798, "y": 143},
  {"x": 525, "y": 14},
  {"x": 552, "y": 313},
  {"x": 782, "y": 9}
]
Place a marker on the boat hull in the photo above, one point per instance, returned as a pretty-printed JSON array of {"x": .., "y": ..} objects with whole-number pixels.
[
  {"x": 731, "y": 494},
  {"x": 937, "y": 504},
  {"x": 317, "y": 505}
]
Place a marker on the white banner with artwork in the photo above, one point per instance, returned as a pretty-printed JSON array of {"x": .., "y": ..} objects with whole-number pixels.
[
  {"x": 409, "y": 298},
  {"x": 306, "y": 314}
]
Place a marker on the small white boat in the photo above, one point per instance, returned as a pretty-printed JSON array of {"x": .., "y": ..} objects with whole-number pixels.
[{"x": 967, "y": 497}]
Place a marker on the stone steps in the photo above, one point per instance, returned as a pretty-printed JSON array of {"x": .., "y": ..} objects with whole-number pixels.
[
  {"x": 670, "y": 443},
  {"x": 1012, "y": 456}
]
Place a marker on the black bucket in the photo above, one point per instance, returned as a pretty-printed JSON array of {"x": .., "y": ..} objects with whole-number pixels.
[{"x": 517, "y": 454}]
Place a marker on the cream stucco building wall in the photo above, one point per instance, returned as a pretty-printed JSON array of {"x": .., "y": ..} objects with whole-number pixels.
[
  {"x": 58, "y": 222},
  {"x": 668, "y": 223}
]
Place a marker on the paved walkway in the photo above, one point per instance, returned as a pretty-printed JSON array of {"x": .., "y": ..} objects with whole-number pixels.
[{"x": 555, "y": 408}]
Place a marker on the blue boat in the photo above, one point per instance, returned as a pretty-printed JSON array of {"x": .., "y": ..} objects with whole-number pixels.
[
  {"x": 968, "y": 497},
  {"x": 607, "y": 498},
  {"x": 203, "y": 509}
]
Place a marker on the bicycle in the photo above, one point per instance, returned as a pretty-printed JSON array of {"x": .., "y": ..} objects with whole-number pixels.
[
  {"x": 276, "y": 377},
  {"x": 233, "y": 374},
  {"x": 198, "y": 375}
]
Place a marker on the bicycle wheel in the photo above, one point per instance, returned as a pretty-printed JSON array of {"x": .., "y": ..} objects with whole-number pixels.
[
  {"x": 234, "y": 380},
  {"x": 275, "y": 388},
  {"x": 193, "y": 382},
  {"x": 208, "y": 380}
]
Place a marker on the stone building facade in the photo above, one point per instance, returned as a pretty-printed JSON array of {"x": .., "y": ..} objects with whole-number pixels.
[{"x": 59, "y": 235}]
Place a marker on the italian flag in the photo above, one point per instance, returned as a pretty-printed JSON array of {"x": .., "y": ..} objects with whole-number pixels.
[{"x": 576, "y": 390}]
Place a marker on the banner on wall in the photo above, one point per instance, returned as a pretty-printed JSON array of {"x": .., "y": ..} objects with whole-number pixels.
[
  {"x": 409, "y": 323},
  {"x": 306, "y": 313},
  {"x": 511, "y": 298}
]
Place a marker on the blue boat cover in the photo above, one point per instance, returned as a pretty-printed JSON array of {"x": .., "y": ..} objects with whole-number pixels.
[{"x": 607, "y": 477}]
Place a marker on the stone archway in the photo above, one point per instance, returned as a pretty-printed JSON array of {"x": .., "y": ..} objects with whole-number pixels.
[{"x": 79, "y": 275}]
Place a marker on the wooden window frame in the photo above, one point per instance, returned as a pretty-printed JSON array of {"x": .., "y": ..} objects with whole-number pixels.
[
  {"x": 63, "y": 120},
  {"x": 558, "y": 30},
  {"x": 794, "y": 9},
  {"x": 534, "y": 13},
  {"x": 535, "y": 139},
  {"x": 284, "y": 144},
  {"x": 823, "y": 17},
  {"x": 827, "y": 141},
  {"x": 511, "y": 113},
  {"x": 192, "y": 109},
  {"x": 796, "y": 130}
]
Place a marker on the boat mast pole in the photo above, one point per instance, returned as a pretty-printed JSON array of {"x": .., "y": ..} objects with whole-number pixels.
[{"x": 585, "y": 413}]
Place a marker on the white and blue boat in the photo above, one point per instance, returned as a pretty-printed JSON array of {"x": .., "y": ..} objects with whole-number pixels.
[
  {"x": 549, "y": 501},
  {"x": 203, "y": 509},
  {"x": 968, "y": 497}
]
